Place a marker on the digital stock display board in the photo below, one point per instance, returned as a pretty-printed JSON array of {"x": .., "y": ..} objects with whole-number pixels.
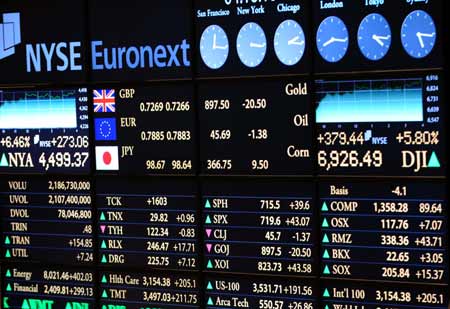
[{"x": 227, "y": 154}]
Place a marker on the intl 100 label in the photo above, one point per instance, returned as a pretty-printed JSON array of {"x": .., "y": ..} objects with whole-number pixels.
[{"x": 342, "y": 294}]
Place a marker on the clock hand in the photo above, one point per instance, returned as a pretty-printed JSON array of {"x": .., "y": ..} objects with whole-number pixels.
[
  {"x": 332, "y": 40},
  {"x": 215, "y": 46},
  {"x": 379, "y": 38},
  {"x": 295, "y": 41},
  {"x": 255, "y": 45},
  {"x": 341, "y": 40},
  {"x": 427, "y": 35},
  {"x": 214, "y": 41},
  {"x": 221, "y": 47},
  {"x": 419, "y": 36}
]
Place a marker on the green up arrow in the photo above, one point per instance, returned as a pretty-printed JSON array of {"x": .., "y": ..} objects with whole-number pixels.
[
  {"x": 25, "y": 304},
  {"x": 4, "y": 161},
  {"x": 210, "y": 265},
  {"x": 208, "y": 220},
  {"x": 434, "y": 161}
]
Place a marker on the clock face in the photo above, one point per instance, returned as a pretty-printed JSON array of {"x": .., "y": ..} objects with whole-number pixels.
[
  {"x": 251, "y": 44},
  {"x": 418, "y": 34},
  {"x": 289, "y": 42},
  {"x": 374, "y": 37},
  {"x": 214, "y": 47},
  {"x": 332, "y": 39}
]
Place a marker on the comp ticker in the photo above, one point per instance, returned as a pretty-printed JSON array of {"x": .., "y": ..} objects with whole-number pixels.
[
  {"x": 395, "y": 231},
  {"x": 259, "y": 227},
  {"x": 38, "y": 209},
  {"x": 148, "y": 223}
]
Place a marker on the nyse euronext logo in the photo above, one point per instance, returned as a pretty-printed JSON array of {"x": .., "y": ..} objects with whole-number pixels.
[
  {"x": 63, "y": 56},
  {"x": 9, "y": 34}
]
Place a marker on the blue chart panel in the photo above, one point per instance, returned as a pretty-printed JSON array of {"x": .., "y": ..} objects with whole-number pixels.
[
  {"x": 54, "y": 109},
  {"x": 362, "y": 101}
]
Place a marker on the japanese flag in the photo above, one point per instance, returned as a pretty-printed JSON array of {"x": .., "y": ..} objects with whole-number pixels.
[{"x": 107, "y": 158}]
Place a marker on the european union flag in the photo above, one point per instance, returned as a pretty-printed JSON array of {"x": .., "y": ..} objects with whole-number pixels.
[{"x": 105, "y": 129}]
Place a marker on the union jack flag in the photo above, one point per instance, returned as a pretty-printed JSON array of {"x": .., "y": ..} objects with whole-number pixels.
[{"x": 104, "y": 101}]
